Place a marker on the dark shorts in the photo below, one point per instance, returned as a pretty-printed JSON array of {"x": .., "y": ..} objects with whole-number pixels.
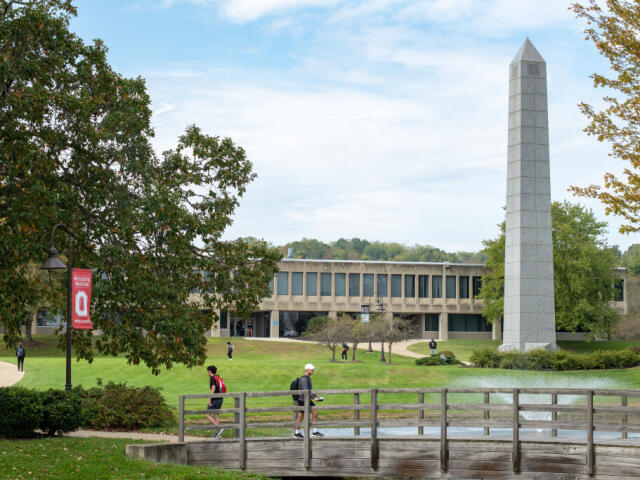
[
  {"x": 216, "y": 404},
  {"x": 301, "y": 403}
]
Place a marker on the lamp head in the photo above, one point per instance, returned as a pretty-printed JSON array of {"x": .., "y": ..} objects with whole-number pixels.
[{"x": 53, "y": 262}]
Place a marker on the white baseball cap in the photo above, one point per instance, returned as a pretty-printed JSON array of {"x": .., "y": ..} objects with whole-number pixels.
[{"x": 309, "y": 366}]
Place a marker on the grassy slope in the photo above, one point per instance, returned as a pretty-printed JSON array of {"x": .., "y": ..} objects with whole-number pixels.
[{"x": 265, "y": 366}]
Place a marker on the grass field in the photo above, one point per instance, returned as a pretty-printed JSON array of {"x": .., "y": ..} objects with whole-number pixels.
[{"x": 94, "y": 458}]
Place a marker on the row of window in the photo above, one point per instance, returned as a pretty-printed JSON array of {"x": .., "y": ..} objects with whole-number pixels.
[
  {"x": 458, "y": 322},
  {"x": 454, "y": 285}
]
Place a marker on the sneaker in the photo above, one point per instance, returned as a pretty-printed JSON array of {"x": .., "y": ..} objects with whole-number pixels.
[
  {"x": 219, "y": 434},
  {"x": 317, "y": 434},
  {"x": 298, "y": 435}
]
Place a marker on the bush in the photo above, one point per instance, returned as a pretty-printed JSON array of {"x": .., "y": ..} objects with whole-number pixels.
[
  {"x": 513, "y": 361},
  {"x": 62, "y": 411},
  {"x": 21, "y": 414},
  {"x": 429, "y": 361},
  {"x": 538, "y": 360},
  {"x": 117, "y": 406},
  {"x": 634, "y": 349},
  {"x": 449, "y": 356},
  {"x": 485, "y": 357}
]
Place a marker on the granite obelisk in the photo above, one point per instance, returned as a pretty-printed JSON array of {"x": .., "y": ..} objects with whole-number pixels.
[{"x": 529, "y": 305}]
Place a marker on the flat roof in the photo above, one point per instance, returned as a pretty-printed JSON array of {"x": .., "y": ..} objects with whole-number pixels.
[{"x": 324, "y": 260}]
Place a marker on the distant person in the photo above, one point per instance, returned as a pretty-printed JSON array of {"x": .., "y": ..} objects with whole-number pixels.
[
  {"x": 305, "y": 384},
  {"x": 249, "y": 328},
  {"x": 20, "y": 354},
  {"x": 433, "y": 346},
  {"x": 345, "y": 349},
  {"x": 230, "y": 349},
  {"x": 216, "y": 385}
]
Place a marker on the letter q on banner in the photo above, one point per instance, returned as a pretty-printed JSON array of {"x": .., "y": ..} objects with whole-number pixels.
[{"x": 81, "y": 298}]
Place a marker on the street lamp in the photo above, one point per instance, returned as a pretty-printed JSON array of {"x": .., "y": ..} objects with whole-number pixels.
[
  {"x": 382, "y": 311},
  {"x": 54, "y": 263}
]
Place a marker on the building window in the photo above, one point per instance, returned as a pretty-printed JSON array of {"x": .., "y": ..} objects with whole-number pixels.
[
  {"x": 367, "y": 285},
  {"x": 283, "y": 283},
  {"x": 410, "y": 286},
  {"x": 325, "y": 284},
  {"x": 396, "y": 285},
  {"x": 451, "y": 286},
  {"x": 340, "y": 284},
  {"x": 468, "y": 323},
  {"x": 293, "y": 324},
  {"x": 223, "y": 319},
  {"x": 296, "y": 283},
  {"x": 436, "y": 286},
  {"x": 423, "y": 286},
  {"x": 44, "y": 318},
  {"x": 431, "y": 322},
  {"x": 382, "y": 285},
  {"x": 477, "y": 285},
  {"x": 312, "y": 283},
  {"x": 464, "y": 286},
  {"x": 354, "y": 284},
  {"x": 618, "y": 290}
]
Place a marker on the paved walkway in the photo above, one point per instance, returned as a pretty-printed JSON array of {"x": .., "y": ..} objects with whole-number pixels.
[
  {"x": 152, "y": 437},
  {"x": 9, "y": 374}
]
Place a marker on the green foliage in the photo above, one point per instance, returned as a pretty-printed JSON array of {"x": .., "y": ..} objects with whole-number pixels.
[
  {"x": 429, "y": 361},
  {"x": 442, "y": 358},
  {"x": 583, "y": 269},
  {"x": 631, "y": 259},
  {"x": 62, "y": 411},
  {"x": 359, "y": 249},
  {"x": 117, "y": 406},
  {"x": 316, "y": 323},
  {"x": 449, "y": 356},
  {"x": 22, "y": 412},
  {"x": 75, "y": 148},
  {"x": 558, "y": 360}
]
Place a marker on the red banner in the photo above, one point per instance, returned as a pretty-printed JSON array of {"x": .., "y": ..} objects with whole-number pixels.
[{"x": 80, "y": 298}]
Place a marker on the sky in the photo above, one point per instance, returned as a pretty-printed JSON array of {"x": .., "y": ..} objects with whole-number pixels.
[{"x": 377, "y": 119}]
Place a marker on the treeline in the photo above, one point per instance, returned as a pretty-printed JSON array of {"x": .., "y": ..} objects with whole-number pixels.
[{"x": 359, "y": 249}]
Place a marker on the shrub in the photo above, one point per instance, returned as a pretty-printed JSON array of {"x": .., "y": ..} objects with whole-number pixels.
[
  {"x": 450, "y": 356},
  {"x": 62, "y": 411},
  {"x": 117, "y": 406},
  {"x": 485, "y": 357},
  {"x": 538, "y": 360},
  {"x": 429, "y": 361},
  {"x": 513, "y": 361},
  {"x": 21, "y": 412},
  {"x": 635, "y": 349}
]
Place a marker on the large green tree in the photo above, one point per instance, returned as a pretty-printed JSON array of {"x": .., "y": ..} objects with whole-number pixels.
[
  {"x": 613, "y": 28},
  {"x": 583, "y": 267},
  {"x": 75, "y": 148}
]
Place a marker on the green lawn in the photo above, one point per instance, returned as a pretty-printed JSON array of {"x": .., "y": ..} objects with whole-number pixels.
[
  {"x": 462, "y": 348},
  {"x": 94, "y": 458},
  {"x": 267, "y": 366}
]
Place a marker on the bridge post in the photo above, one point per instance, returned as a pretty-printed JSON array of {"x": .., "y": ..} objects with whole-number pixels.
[
  {"x": 515, "y": 453},
  {"x": 590, "y": 432},
  {"x": 374, "y": 429},
  {"x": 307, "y": 429},
  {"x": 443, "y": 430},
  {"x": 624, "y": 417},
  {"x": 181, "y": 418},
  {"x": 243, "y": 430},
  {"x": 356, "y": 413},
  {"x": 486, "y": 412},
  {"x": 554, "y": 414},
  {"x": 236, "y": 417},
  {"x": 421, "y": 413}
]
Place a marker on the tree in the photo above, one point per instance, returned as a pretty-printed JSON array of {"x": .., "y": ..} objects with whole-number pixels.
[
  {"x": 331, "y": 331},
  {"x": 631, "y": 259},
  {"x": 359, "y": 333},
  {"x": 612, "y": 27},
  {"x": 75, "y": 148},
  {"x": 399, "y": 329},
  {"x": 583, "y": 268}
]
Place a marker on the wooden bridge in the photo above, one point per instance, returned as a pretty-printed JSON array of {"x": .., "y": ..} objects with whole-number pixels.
[{"x": 479, "y": 433}]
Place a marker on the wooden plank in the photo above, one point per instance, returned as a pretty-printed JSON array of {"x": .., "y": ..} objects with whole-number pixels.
[
  {"x": 421, "y": 412},
  {"x": 356, "y": 413},
  {"x": 590, "y": 432},
  {"x": 631, "y": 461},
  {"x": 554, "y": 414},
  {"x": 374, "y": 429},
  {"x": 443, "y": 430},
  {"x": 578, "y": 459},
  {"x": 307, "y": 429},
  {"x": 455, "y": 464},
  {"x": 181, "y": 418},
  {"x": 485, "y": 413},
  {"x": 536, "y": 466},
  {"x": 623, "y": 402},
  {"x": 242, "y": 429}
]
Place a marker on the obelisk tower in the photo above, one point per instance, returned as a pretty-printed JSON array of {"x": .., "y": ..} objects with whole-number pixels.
[{"x": 529, "y": 305}]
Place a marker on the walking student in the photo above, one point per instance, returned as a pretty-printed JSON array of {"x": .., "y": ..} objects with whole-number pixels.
[
  {"x": 230, "y": 348},
  {"x": 20, "y": 354},
  {"x": 345, "y": 349},
  {"x": 216, "y": 385},
  {"x": 433, "y": 346},
  {"x": 305, "y": 384}
]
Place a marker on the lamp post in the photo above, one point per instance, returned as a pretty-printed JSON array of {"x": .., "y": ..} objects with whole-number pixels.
[
  {"x": 382, "y": 311},
  {"x": 54, "y": 263}
]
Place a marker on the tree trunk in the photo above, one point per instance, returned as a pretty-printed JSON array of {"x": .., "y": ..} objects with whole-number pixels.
[
  {"x": 28, "y": 324},
  {"x": 333, "y": 353},
  {"x": 382, "y": 351},
  {"x": 353, "y": 354},
  {"x": 390, "y": 352}
]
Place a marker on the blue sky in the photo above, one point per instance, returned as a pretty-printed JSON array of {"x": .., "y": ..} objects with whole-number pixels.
[{"x": 378, "y": 119}]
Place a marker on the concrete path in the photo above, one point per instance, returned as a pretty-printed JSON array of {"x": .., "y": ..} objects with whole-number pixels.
[
  {"x": 9, "y": 374},
  {"x": 152, "y": 437}
]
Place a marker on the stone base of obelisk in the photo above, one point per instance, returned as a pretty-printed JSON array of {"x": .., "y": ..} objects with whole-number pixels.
[{"x": 525, "y": 347}]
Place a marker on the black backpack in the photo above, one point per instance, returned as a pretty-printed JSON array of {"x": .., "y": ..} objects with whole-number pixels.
[
  {"x": 20, "y": 352},
  {"x": 295, "y": 385}
]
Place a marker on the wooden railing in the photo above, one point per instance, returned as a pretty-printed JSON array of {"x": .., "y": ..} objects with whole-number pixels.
[{"x": 484, "y": 409}]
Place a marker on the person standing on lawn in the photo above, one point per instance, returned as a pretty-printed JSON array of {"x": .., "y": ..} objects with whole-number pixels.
[
  {"x": 215, "y": 386},
  {"x": 345, "y": 349},
  {"x": 230, "y": 348},
  {"x": 433, "y": 346},
  {"x": 20, "y": 354},
  {"x": 305, "y": 384}
]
